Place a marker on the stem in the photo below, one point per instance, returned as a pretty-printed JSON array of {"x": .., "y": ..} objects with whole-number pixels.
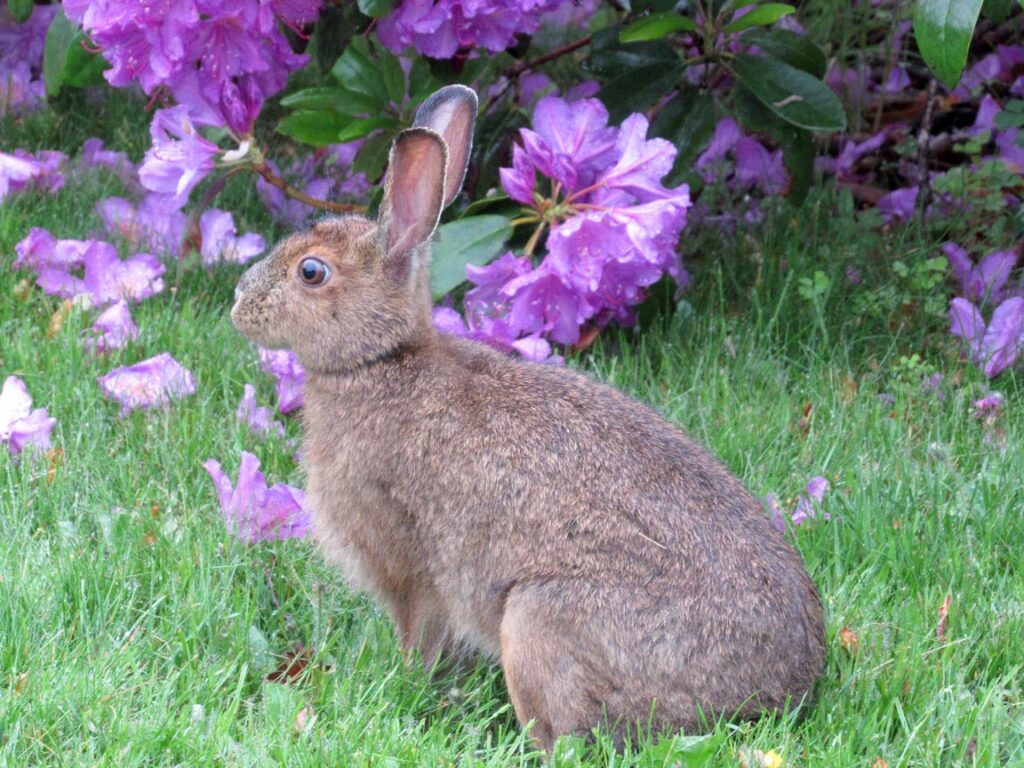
[
  {"x": 524, "y": 220},
  {"x": 193, "y": 238},
  {"x": 325, "y": 205},
  {"x": 531, "y": 245},
  {"x": 924, "y": 184},
  {"x": 513, "y": 72}
]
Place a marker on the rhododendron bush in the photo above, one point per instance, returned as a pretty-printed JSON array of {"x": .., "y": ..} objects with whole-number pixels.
[{"x": 610, "y": 136}]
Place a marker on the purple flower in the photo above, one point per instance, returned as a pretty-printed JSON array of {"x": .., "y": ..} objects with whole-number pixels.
[
  {"x": 755, "y": 165},
  {"x": 23, "y": 170},
  {"x": 151, "y": 383},
  {"x": 899, "y": 204},
  {"x": 289, "y": 376},
  {"x": 254, "y": 512},
  {"x": 775, "y": 512},
  {"x": 40, "y": 249},
  {"x": 258, "y": 417},
  {"x": 987, "y": 406},
  {"x": 615, "y": 230},
  {"x": 984, "y": 281},
  {"x": 220, "y": 242},
  {"x": 179, "y": 159},
  {"x": 106, "y": 277},
  {"x": 439, "y": 28},
  {"x": 20, "y": 425},
  {"x": 115, "y": 328},
  {"x": 156, "y": 224},
  {"x": 810, "y": 502},
  {"x": 993, "y": 347}
]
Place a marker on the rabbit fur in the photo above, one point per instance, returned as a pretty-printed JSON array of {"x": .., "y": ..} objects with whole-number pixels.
[{"x": 613, "y": 566}]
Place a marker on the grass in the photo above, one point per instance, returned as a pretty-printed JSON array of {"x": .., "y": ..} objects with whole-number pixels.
[{"x": 135, "y": 630}]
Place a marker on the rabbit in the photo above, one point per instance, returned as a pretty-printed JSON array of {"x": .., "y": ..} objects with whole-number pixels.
[{"x": 518, "y": 509}]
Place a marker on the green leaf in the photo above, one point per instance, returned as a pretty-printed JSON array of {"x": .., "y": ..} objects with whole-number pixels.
[
  {"x": 376, "y": 8},
  {"x": 65, "y": 61},
  {"x": 83, "y": 69},
  {"x": 373, "y": 156},
  {"x": 687, "y": 121},
  {"x": 791, "y": 93},
  {"x": 609, "y": 58},
  {"x": 364, "y": 125},
  {"x": 943, "y": 29},
  {"x": 325, "y": 98},
  {"x": 333, "y": 32},
  {"x": 997, "y": 10},
  {"x": 656, "y": 26},
  {"x": 637, "y": 90},
  {"x": 20, "y": 9},
  {"x": 393, "y": 76},
  {"x": 55, "y": 51},
  {"x": 357, "y": 72},
  {"x": 314, "y": 127},
  {"x": 797, "y": 147},
  {"x": 475, "y": 240},
  {"x": 761, "y": 16},
  {"x": 796, "y": 50}
]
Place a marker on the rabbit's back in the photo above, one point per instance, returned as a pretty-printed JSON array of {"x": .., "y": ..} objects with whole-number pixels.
[{"x": 498, "y": 475}]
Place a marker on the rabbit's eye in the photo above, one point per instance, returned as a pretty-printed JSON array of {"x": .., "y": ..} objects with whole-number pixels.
[{"x": 313, "y": 272}]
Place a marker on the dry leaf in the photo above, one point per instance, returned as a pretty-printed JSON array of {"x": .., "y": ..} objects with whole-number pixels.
[
  {"x": 294, "y": 664},
  {"x": 849, "y": 640},
  {"x": 879, "y": 763},
  {"x": 54, "y": 459},
  {"x": 849, "y": 389},
  {"x": 149, "y": 539},
  {"x": 940, "y": 629},
  {"x": 57, "y": 320},
  {"x": 22, "y": 289}
]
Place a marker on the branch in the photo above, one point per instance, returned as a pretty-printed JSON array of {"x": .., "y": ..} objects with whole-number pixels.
[
  {"x": 325, "y": 205},
  {"x": 513, "y": 72}
]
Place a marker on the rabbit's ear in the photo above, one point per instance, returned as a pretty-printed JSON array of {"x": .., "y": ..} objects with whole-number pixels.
[
  {"x": 451, "y": 112},
  {"x": 413, "y": 197}
]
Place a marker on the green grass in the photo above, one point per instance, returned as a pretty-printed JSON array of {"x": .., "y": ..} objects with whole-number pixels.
[{"x": 135, "y": 630}]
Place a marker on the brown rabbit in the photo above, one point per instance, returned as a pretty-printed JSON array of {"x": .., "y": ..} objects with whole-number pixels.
[{"x": 523, "y": 510}]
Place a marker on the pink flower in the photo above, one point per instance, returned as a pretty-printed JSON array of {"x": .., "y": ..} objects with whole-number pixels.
[
  {"x": 179, "y": 159},
  {"x": 105, "y": 277},
  {"x": 115, "y": 328},
  {"x": 20, "y": 425},
  {"x": 289, "y": 376},
  {"x": 254, "y": 512},
  {"x": 220, "y": 242},
  {"x": 993, "y": 347},
  {"x": 151, "y": 383},
  {"x": 156, "y": 224},
  {"x": 258, "y": 417}
]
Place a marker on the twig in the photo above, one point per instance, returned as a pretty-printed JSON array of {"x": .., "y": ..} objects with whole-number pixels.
[
  {"x": 513, "y": 72},
  {"x": 325, "y": 205},
  {"x": 924, "y": 185}
]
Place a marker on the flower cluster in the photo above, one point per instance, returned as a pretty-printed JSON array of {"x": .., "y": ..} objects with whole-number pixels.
[
  {"x": 20, "y": 424},
  {"x": 613, "y": 230},
  {"x": 21, "y": 59},
  {"x": 222, "y": 60},
  {"x": 439, "y": 28},
  {"x": 255, "y": 512}
]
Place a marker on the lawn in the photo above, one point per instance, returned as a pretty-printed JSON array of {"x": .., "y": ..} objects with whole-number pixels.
[{"x": 135, "y": 629}]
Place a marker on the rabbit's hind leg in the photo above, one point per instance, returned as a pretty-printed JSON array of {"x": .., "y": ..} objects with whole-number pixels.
[{"x": 547, "y": 679}]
